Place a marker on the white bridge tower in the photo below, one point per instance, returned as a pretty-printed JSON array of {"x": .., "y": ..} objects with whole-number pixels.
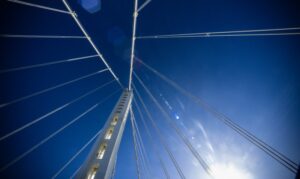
[{"x": 101, "y": 160}]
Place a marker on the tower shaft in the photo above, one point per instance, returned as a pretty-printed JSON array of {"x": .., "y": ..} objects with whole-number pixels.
[{"x": 102, "y": 157}]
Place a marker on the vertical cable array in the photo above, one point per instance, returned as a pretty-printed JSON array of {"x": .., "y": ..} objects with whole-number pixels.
[
  {"x": 143, "y": 157},
  {"x": 279, "y": 157},
  {"x": 184, "y": 138},
  {"x": 135, "y": 145},
  {"x": 155, "y": 149},
  {"x": 161, "y": 138}
]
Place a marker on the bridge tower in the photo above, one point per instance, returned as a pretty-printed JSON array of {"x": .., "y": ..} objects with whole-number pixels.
[{"x": 101, "y": 160}]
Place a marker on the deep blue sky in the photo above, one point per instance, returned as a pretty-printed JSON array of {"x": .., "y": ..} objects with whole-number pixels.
[{"x": 254, "y": 80}]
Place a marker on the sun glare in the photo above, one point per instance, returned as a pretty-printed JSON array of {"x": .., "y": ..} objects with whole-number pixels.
[{"x": 229, "y": 172}]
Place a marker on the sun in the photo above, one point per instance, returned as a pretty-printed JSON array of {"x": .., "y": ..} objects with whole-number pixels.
[{"x": 229, "y": 171}]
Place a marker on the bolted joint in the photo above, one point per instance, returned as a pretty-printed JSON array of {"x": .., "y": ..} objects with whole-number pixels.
[{"x": 74, "y": 14}]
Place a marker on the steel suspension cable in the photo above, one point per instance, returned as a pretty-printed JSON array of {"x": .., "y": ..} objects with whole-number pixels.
[
  {"x": 231, "y": 35},
  {"x": 9, "y": 164},
  {"x": 39, "y": 6},
  {"x": 263, "y": 148},
  {"x": 141, "y": 159},
  {"x": 227, "y": 33},
  {"x": 142, "y": 147},
  {"x": 46, "y": 64},
  {"x": 74, "y": 16},
  {"x": 53, "y": 111},
  {"x": 139, "y": 134},
  {"x": 150, "y": 137},
  {"x": 184, "y": 138},
  {"x": 279, "y": 157},
  {"x": 143, "y": 5},
  {"x": 45, "y": 140},
  {"x": 161, "y": 138},
  {"x": 49, "y": 89},
  {"x": 135, "y": 145},
  {"x": 270, "y": 150},
  {"x": 135, "y": 14},
  {"x": 76, "y": 171},
  {"x": 41, "y": 36},
  {"x": 75, "y": 155},
  {"x": 144, "y": 169}
]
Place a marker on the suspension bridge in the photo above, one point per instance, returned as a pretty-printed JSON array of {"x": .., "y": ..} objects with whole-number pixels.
[{"x": 102, "y": 157}]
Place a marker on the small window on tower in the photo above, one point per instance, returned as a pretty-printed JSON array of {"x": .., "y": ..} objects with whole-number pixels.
[
  {"x": 109, "y": 133},
  {"x": 114, "y": 121},
  {"x": 93, "y": 172},
  {"x": 101, "y": 151}
]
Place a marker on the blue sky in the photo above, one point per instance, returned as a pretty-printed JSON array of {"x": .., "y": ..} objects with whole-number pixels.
[{"x": 254, "y": 80}]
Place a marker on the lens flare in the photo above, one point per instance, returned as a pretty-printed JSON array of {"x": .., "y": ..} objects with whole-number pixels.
[
  {"x": 221, "y": 171},
  {"x": 92, "y": 6}
]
